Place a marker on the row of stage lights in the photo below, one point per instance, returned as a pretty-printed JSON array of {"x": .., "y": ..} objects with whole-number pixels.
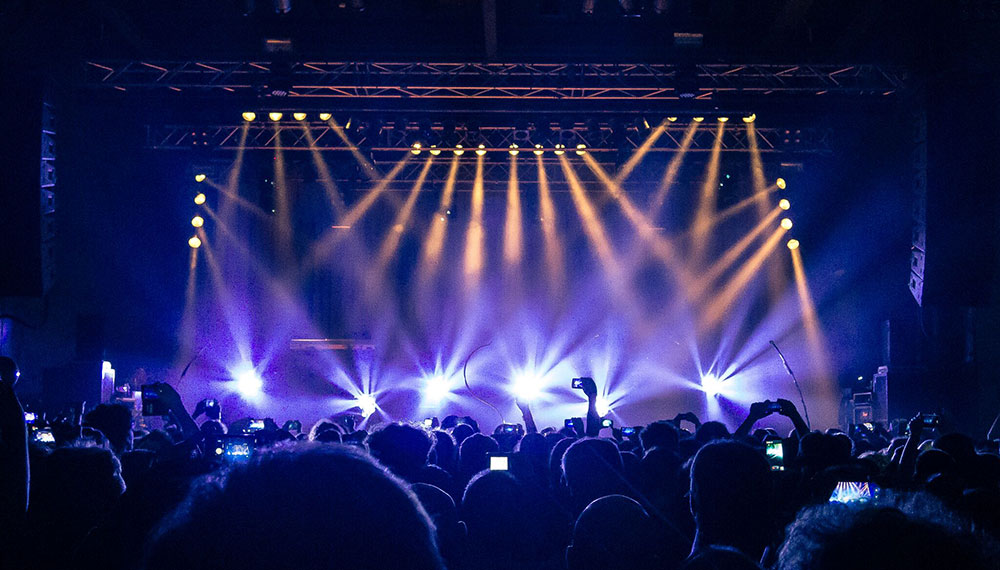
[
  {"x": 198, "y": 221},
  {"x": 275, "y": 116},
  {"x": 786, "y": 223},
  {"x": 481, "y": 150}
]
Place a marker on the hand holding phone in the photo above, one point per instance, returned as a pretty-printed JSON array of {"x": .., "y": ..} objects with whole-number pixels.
[{"x": 499, "y": 462}]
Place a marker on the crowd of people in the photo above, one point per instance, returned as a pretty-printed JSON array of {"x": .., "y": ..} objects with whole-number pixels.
[{"x": 677, "y": 493}]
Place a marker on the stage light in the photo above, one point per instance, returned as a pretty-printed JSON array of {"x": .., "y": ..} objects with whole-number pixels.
[
  {"x": 672, "y": 119},
  {"x": 197, "y": 221},
  {"x": 436, "y": 389},
  {"x": 274, "y": 116},
  {"x": 481, "y": 150},
  {"x": 780, "y": 183},
  {"x": 784, "y": 204},
  {"x": 560, "y": 149},
  {"x": 299, "y": 116},
  {"x": 513, "y": 150},
  {"x": 750, "y": 118},
  {"x": 459, "y": 150},
  {"x": 786, "y": 223},
  {"x": 793, "y": 244},
  {"x": 367, "y": 404},
  {"x": 711, "y": 385},
  {"x": 581, "y": 149},
  {"x": 194, "y": 242},
  {"x": 200, "y": 177},
  {"x": 248, "y": 382},
  {"x": 249, "y": 116},
  {"x": 199, "y": 199},
  {"x": 415, "y": 149},
  {"x": 325, "y": 116},
  {"x": 698, "y": 119},
  {"x": 603, "y": 408},
  {"x": 723, "y": 119},
  {"x": 435, "y": 150},
  {"x": 538, "y": 150},
  {"x": 527, "y": 387}
]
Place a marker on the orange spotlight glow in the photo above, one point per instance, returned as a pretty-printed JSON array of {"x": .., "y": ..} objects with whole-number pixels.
[
  {"x": 200, "y": 177},
  {"x": 299, "y": 116},
  {"x": 475, "y": 235},
  {"x": 722, "y": 303},
  {"x": 325, "y": 116},
  {"x": 784, "y": 204},
  {"x": 274, "y": 116},
  {"x": 435, "y": 151},
  {"x": 199, "y": 198},
  {"x": 581, "y": 149},
  {"x": 197, "y": 221},
  {"x": 553, "y": 247},
  {"x": 815, "y": 339},
  {"x": 786, "y": 223},
  {"x": 640, "y": 153},
  {"x": 481, "y": 150},
  {"x": 513, "y": 149},
  {"x": 780, "y": 183},
  {"x": 415, "y": 148},
  {"x": 560, "y": 149},
  {"x": 391, "y": 241},
  {"x": 433, "y": 245},
  {"x": 732, "y": 254},
  {"x": 249, "y": 116},
  {"x": 194, "y": 242},
  {"x": 670, "y": 175},
  {"x": 750, "y": 118},
  {"x": 366, "y": 165},
  {"x": 793, "y": 244},
  {"x": 512, "y": 239},
  {"x": 332, "y": 194},
  {"x": 701, "y": 238},
  {"x": 698, "y": 119},
  {"x": 538, "y": 150},
  {"x": 459, "y": 150}
]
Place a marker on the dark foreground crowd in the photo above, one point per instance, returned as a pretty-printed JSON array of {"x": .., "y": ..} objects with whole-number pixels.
[{"x": 94, "y": 493}]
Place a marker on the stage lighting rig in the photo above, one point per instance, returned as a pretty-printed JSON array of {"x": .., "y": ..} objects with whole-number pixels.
[
  {"x": 249, "y": 116},
  {"x": 325, "y": 116},
  {"x": 784, "y": 204},
  {"x": 194, "y": 242},
  {"x": 786, "y": 223},
  {"x": 780, "y": 183},
  {"x": 199, "y": 198},
  {"x": 793, "y": 244}
]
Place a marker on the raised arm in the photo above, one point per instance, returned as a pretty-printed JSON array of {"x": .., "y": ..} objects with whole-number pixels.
[
  {"x": 529, "y": 420},
  {"x": 593, "y": 418}
]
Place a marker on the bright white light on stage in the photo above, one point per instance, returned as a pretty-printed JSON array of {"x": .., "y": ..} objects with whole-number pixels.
[
  {"x": 539, "y": 149},
  {"x": 197, "y": 221},
  {"x": 527, "y": 386},
  {"x": 481, "y": 150},
  {"x": 750, "y": 118},
  {"x": 603, "y": 407},
  {"x": 784, "y": 204},
  {"x": 698, "y": 119},
  {"x": 248, "y": 382},
  {"x": 711, "y": 385},
  {"x": 415, "y": 149},
  {"x": 299, "y": 116},
  {"x": 249, "y": 116},
  {"x": 581, "y": 149},
  {"x": 199, "y": 199},
  {"x": 325, "y": 116},
  {"x": 793, "y": 244},
  {"x": 274, "y": 116},
  {"x": 436, "y": 388},
  {"x": 786, "y": 223},
  {"x": 435, "y": 150},
  {"x": 367, "y": 404},
  {"x": 513, "y": 149},
  {"x": 780, "y": 183},
  {"x": 560, "y": 149},
  {"x": 723, "y": 119},
  {"x": 459, "y": 150},
  {"x": 199, "y": 177},
  {"x": 194, "y": 242},
  {"x": 672, "y": 119}
]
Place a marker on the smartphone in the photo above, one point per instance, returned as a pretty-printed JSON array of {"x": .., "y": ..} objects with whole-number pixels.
[
  {"x": 607, "y": 422},
  {"x": 932, "y": 421},
  {"x": 775, "y": 451},
  {"x": 210, "y": 403},
  {"x": 509, "y": 428},
  {"x": 234, "y": 447},
  {"x": 499, "y": 462},
  {"x": 428, "y": 423},
  {"x": 568, "y": 422},
  {"x": 577, "y": 383},
  {"x": 630, "y": 431},
  {"x": 44, "y": 435},
  {"x": 773, "y": 407},
  {"x": 256, "y": 425},
  {"x": 854, "y": 492},
  {"x": 29, "y": 418},
  {"x": 152, "y": 405}
]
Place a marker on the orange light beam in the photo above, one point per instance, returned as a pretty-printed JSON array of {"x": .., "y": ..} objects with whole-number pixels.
[
  {"x": 815, "y": 339},
  {"x": 639, "y": 153},
  {"x": 332, "y": 193},
  {"x": 362, "y": 159},
  {"x": 231, "y": 313},
  {"x": 670, "y": 175},
  {"x": 705, "y": 280},
  {"x": 733, "y": 210},
  {"x": 238, "y": 201},
  {"x": 720, "y": 304},
  {"x": 475, "y": 234},
  {"x": 188, "y": 330},
  {"x": 430, "y": 257},
  {"x": 512, "y": 239},
  {"x": 706, "y": 202},
  {"x": 775, "y": 268},
  {"x": 554, "y": 255},
  {"x": 391, "y": 242},
  {"x": 324, "y": 245},
  {"x": 283, "y": 203}
]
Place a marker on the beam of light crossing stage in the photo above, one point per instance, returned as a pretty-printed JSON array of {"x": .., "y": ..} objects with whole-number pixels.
[
  {"x": 391, "y": 241},
  {"x": 326, "y": 242},
  {"x": 475, "y": 234},
  {"x": 708, "y": 196},
  {"x": 639, "y": 153},
  {"x": 670, "y": 174},
  {"x": 731, "y": 211},
  {"x": 815, "y": 338},
  {"x": 704, "y": 282},
  {"x": 721, "y": 303},
  {"x": 283, "y": 204},
  {"x": 332, "y": 193},
  {"x": 512, "y": 238},
  {"x": 553, "y": 246},
  {"x": 368, "y": 167},
  {"x": 237, "y": 200},
  {"x": 775, "y": 266},
  {"x": 234, "y": 316},
  {"x": 189, "y": 329},
  {"x": 430, "y": 256}
]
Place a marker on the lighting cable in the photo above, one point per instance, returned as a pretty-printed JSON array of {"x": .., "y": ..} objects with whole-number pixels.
[
  {"x": 795, "y": 380},
  {"x": 465, "y": 377}
]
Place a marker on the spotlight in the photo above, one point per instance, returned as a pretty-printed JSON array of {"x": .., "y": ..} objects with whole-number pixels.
[
  {"x": 194, "y": 242},
  {"x": 750, "y": 118},
  {"x": 527, "y": 387},
  {"x": 711, "y": 385},
  {"x": 603, "y": 408},
  {"x": 325, "y": 116},
  {"x": 199, "y": 177},
  {"x": 249, "y": 116},
  {"x": 415, "y": 149},
  {"x": 560, "y": 149},
  {"x": 672, "y": 119},
  {"x": 723, "y": 119},
  {"x": 514, "y": 149},
  {"x": 538, "y": 149},
  {"x": 793, "y": 244},
  {"x": 784, "y": 204},
  {"x": 199, "y": 199},
  {"x": 459, "y": 150},
  {"x": 299, "y": 116},
  {"x": 780, "y": 183},
  {"x": 481, "y": 150},
  {"x": 274, "y": 116},
  {"x": 197, "y": 221},
  {"x": 435, "y": 150},
  {"x": 581, "y": 149},
  {"x": 698, "y": 119},
  {"x": 367, "y": 404},
  {"x": 786, "y": 223},
  {"x": 248, "y": 382},
  {"x": 436, "y": 389}
]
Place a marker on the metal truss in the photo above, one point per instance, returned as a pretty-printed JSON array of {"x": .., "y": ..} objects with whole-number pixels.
[
  {"x": 603, "y": 139},
  {"x": 499, "y": 81}
]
